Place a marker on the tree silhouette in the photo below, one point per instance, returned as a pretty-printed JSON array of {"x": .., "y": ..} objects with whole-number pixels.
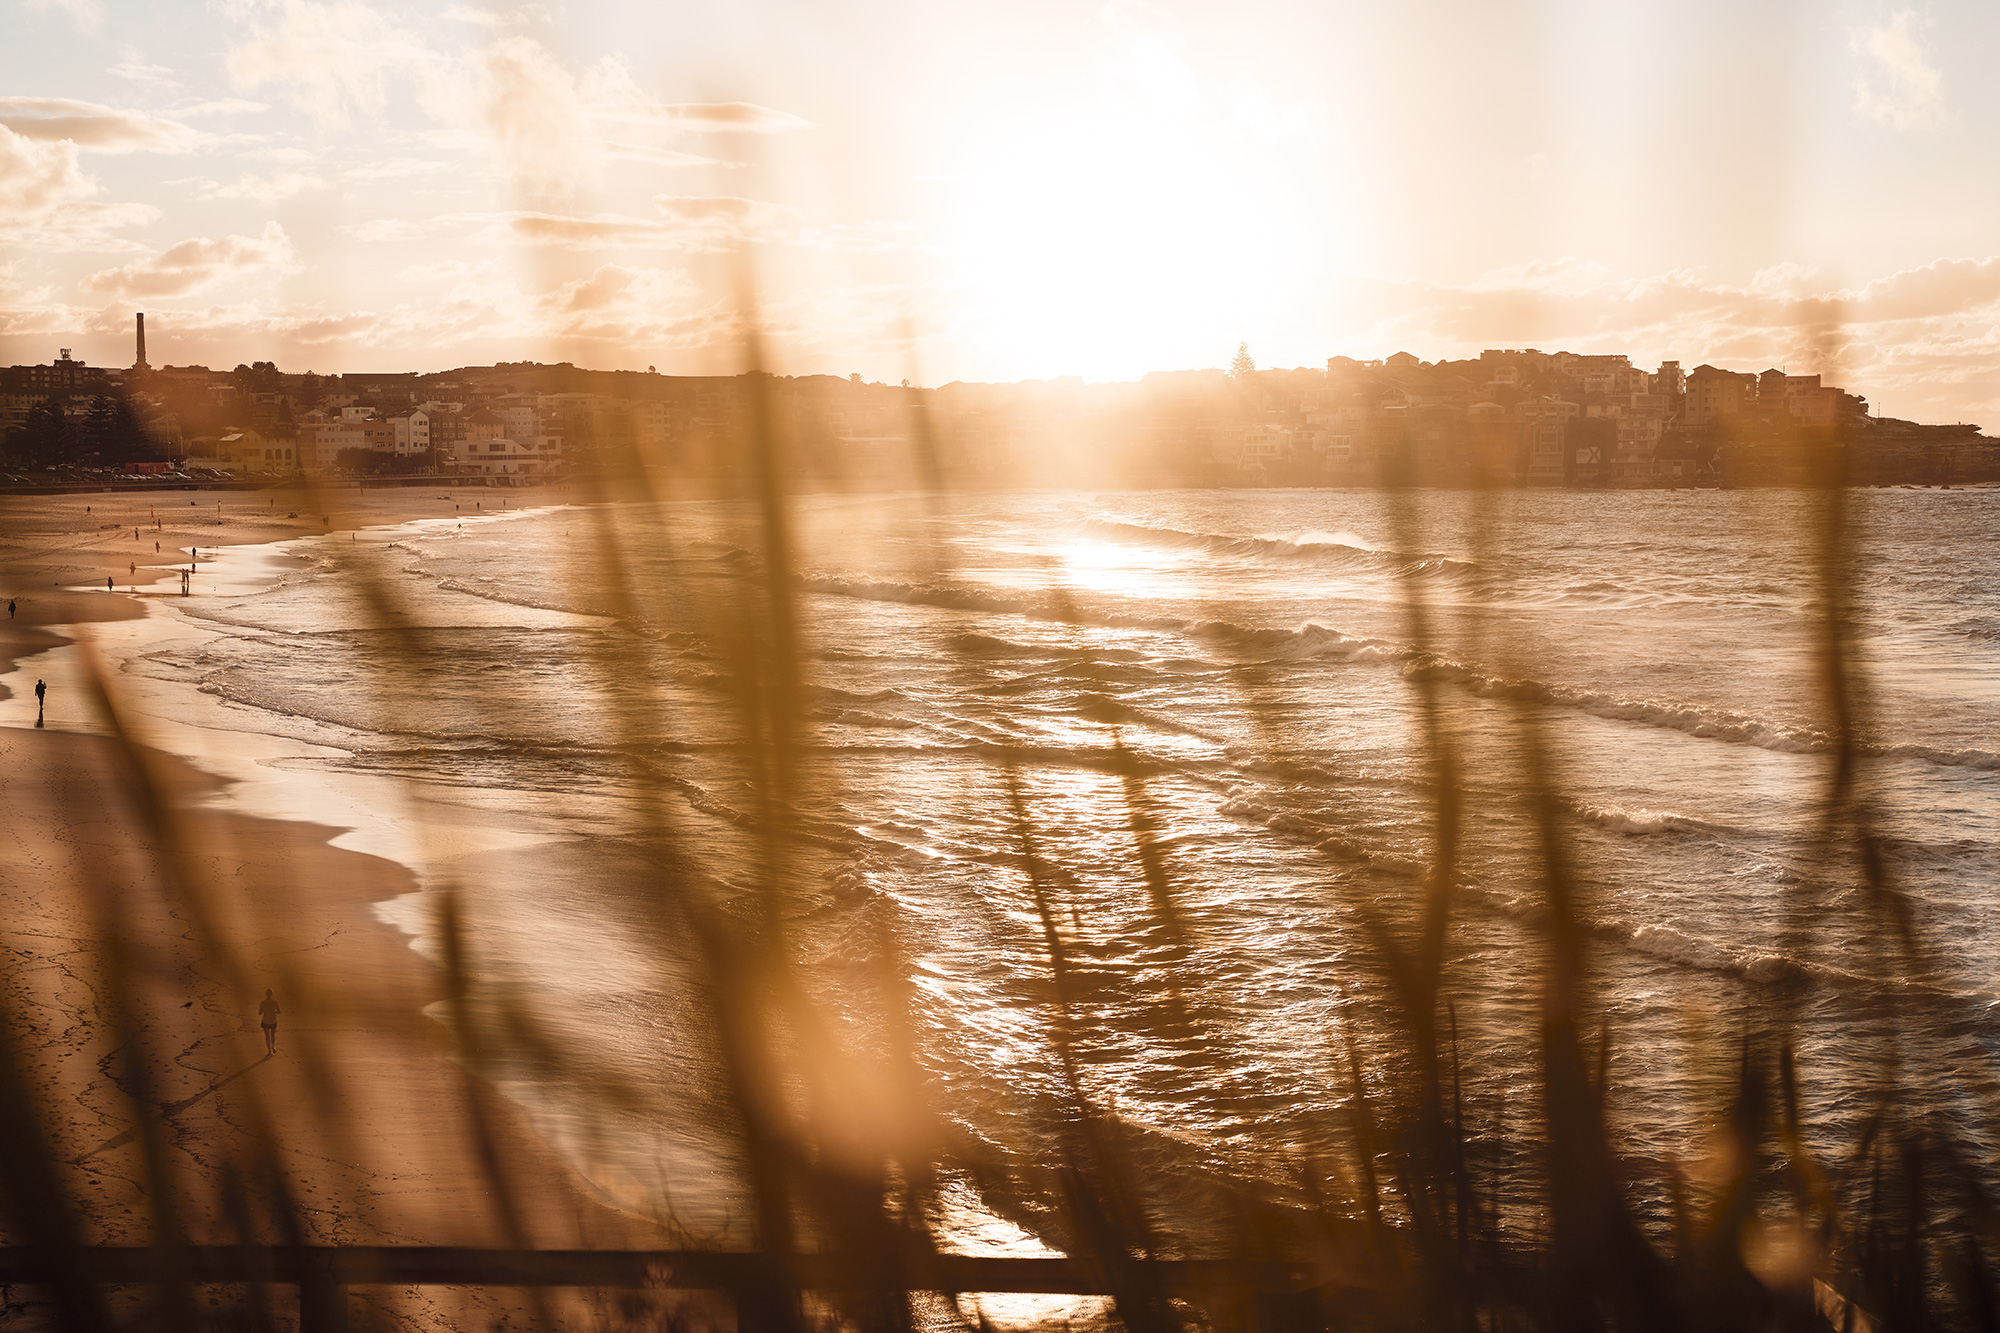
[
  {"x": 43, "y": 439},
  {"x": 1241, "y": 367}
]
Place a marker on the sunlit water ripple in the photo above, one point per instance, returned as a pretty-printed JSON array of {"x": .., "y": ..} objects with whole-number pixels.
[{"x": 1258, "y": 656}]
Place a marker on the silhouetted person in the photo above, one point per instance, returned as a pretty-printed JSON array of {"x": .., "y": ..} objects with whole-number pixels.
[
  {"x": 10, "y": 608},
  {"x": 267, "y": 1012},
  {"x": 107, "y": 583},
  {"x": 41, "y": 700}
]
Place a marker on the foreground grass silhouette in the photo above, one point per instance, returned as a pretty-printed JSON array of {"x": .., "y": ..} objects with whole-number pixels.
[{"x": 834, "y": 1129}]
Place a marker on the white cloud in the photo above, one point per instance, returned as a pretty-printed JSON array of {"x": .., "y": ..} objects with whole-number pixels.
[
  {"x": 1899, "y": 86},
  {"x": 1567, "y": 274},
  {"x": 660, "y": 157},
  {"x": 1786, "y": 279},
  {"x": 224, "y": 106},
  {"x": 396, "y": 168},
  {"x": 88, "y": 15},
  {"x": 47, "y": 202},
  {"x": 442, "y": 271},
  {"x": 377, "y": 230},
  {"x": 38, "y": 178},
  {"x": 330, "y": 60},
  {"x": 535, "y": 122},
  {"x": 499, "y": 19},
  {"x": 283, "y": 154},
  {"x": 134, "y": 68},
  {"x": 260, "y": 189},
  {"x": 710, "y": 117},
  {"x": 196, "y": 263},
  {"x": 100, "y": 128}
]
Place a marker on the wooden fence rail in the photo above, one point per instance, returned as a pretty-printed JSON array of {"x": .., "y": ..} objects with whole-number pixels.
[{"x": 322, "y": 1274}]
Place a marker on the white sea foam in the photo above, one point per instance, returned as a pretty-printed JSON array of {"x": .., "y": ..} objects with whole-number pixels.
[{"x": 1640, "y": 821}]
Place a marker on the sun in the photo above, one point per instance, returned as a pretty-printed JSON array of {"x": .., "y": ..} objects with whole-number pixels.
[{"x": 1134, "y": 231}]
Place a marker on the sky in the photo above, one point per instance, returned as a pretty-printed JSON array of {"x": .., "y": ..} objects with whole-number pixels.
[{"x": 904, "y": 189}]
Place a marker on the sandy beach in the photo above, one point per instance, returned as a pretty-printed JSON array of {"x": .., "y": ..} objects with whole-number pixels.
[{"x": 128, "y": 887}]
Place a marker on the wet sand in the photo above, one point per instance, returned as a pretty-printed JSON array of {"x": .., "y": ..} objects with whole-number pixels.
[{"x": 127, "y": 889}]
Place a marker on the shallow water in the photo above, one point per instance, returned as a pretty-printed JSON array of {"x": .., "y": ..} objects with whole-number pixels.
[{"x": 1259, "y": 656}]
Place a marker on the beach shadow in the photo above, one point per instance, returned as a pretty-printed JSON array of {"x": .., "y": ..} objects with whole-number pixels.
[{"x": 175, "y": 1108}]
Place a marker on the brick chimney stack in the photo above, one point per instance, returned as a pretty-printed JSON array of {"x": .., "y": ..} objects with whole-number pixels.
[{"x": 141, "y": 362}]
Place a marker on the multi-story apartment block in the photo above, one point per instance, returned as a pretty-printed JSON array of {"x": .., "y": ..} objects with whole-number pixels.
[
  {"x": 412, "y": 432},
  {"x": 1715, "y": 395}
]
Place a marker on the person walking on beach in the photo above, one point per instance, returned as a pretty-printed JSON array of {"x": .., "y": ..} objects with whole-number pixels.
[
  {"x": 10, "y": 608},
  {"x": 267, "y": 1013},
  {"x": 107, "y": 583},
  {"x": 41, "y": 700}
]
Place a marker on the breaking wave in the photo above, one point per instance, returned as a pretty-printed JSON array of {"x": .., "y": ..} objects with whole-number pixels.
[
  {"x": 1340, "y": 548},
  {"x": 1642, "y": 821},
  {"x": 1704, "y": 723}
]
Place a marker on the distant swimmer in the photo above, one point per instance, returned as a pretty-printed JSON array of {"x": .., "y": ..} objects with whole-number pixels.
[{"x": 268, "y": 1013}]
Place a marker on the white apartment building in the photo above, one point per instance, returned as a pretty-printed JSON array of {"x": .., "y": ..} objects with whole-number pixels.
[
  {"x": 413, "y": 432},
  {"x": 534, "y": 456},
  {"x": 320, "y": 443}
]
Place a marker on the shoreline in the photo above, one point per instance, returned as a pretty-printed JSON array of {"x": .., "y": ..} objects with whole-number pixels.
[{"x": 366, "y": 1113}]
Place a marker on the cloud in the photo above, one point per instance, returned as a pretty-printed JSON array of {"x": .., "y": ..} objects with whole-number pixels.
[
  {"x": 257, "y": 189},
  {"x": 1915, "y": 335},
  {"x": 88, "y": 15},
  {"x": 1899, "y": 86},
  {"x": 92, "y": 126},
  {"x": 197, "y": 263},
  {"x": 1787, "y": 279},
  {"x": 224, "y": 106},
  {"x": 612, "y": 94},
  {"x": 288, "y": 155},
  {"x": 604, "y": 229},
  {"x": 331, "y": 61},
  {"x": 396, "y": 168},
  {"x": 47, "y": 202},
  {"x": 376, "y": 230},
  {"x": 1567, "y": 274},
  {"x": 442, "y": 271},
  {"x": 37, "y": 178},
  {"x": 740, "y": 214},
  {"x": 660, "y": 157},
  {"x": 133, "y": 68},
  {"x": 534, "y": 117},
  {"x": 711, "y": 117},
  {"x": 499, "y": 19}
]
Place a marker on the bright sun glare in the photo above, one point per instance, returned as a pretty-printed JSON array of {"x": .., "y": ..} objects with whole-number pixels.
[{"x": 1141, "y": 227}]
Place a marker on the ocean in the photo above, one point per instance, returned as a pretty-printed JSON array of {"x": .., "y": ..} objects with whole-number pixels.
[{"x": 552, "y": 715}]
